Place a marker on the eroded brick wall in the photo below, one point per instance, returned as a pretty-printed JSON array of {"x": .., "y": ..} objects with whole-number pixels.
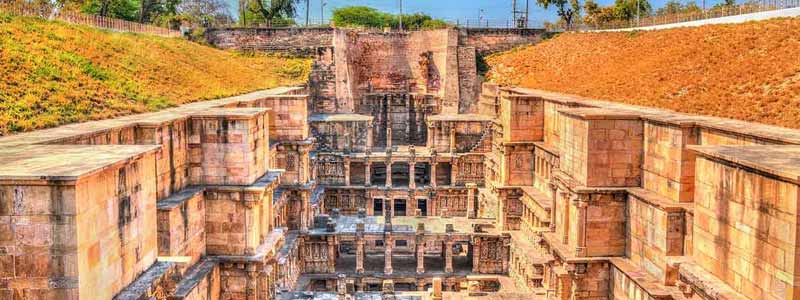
[{"x": 295, "y": 40}]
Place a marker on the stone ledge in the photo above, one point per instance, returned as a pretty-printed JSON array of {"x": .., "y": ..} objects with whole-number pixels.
[
  {"x": 193, "y": 277},
  {"x": 658, "y": 201},
  {"x": 147, "y": 283},
  {"x": 599, "y": 114},
  {"x": 707, "y": 284},
  {"x": 778, "y": 161},
  {"x": 649, "y": 284},
  {"x": 230, "y": 113},
  {"x": 67, "y": 162},
  {"x": 777, "y": 134},
  {"x": 179, "y": 198}
]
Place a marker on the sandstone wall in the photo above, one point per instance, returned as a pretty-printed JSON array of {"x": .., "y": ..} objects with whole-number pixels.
[
  {"x": 270, "y": 39},
  {"x": 115, "y": 225},
  {"x": 489, "y": 40},
  {"x": 181, "y": 225},
  {"x": 745, "y": 229},
  {"x": 229, "y": 146},
  {"x": 668, "y": 167}
]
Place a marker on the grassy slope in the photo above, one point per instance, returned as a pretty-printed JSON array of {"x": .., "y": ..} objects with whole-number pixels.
[
  {"x": 53, "y": 73},
  {"x": 745, "y": 71}
]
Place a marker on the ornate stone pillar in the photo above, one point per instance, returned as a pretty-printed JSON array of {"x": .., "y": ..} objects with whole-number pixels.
[
  {"x": 581, "y": 203},
  {"x": 453, "y": 172},
  {"x": 448, "y": 256},
  {"x": 367, "y": 172},
  {"x": 301, "y": 246},
  {"x": 388, "y": 173},
  {"x": 452, "y": 138},
  {"x": 504, "y": 255},
  {"x": 420, "y": 244},
  {"x": 476, "y": 255},
  {"x": 431, "y": 136},
  {"x": 331, "y": 254},
  {"x": 434, "y": 164},
  {"x": 368, "y": 146},
  {"x": 388, "y": 245},
  {"x": 565, "y": 236},
  {"x": 554, "y": 189},
  {"x": 360, "y": 248},
  {"x": 412, "y": 178},
  {"x": 472, "y": 188},
  {"x": 252, "y": 283},
  {"x": 347, "y": 170},
  {"x": 389, "y": 136}
]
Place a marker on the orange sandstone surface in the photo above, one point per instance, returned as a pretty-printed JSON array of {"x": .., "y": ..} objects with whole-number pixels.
[{"x": 747, "y": 71}]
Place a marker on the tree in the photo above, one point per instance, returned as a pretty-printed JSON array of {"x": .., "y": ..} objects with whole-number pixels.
[
  {"x": 120, "y": 9},
  {"x": 367, "y": 17},
  {"x": 627, "y": 9},
  {"x": 203, "y": 12},
  {"x": 674, "y": 7},
  {"x": 598, "y": 16},
  {"x": 270, "y": 10},
  {"x": 151, "y": 9},
  {"x": 568, "y": 10}
]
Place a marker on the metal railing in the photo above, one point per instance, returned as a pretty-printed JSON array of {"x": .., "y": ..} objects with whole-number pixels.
[
  {"x": 52, "y": 13},
  {"x": 718, "y": 12},
  {"x": 496, "y": 23}
]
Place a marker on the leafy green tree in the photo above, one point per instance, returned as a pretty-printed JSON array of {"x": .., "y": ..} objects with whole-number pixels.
[
  {"x": 359, "y": 16},
  {"x": 367, "y": 17},
  {"x": 568, "y": 10},
  {"x": 273, "y": 11},
  {"x": 627, "y": 9},
  {"x": 120, "y": 9}
]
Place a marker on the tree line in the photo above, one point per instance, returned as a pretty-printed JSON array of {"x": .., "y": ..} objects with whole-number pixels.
[{"x": 570, "y": 11}]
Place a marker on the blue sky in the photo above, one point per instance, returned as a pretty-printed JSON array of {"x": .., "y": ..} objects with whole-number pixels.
[{"x": 499, "y": 10}]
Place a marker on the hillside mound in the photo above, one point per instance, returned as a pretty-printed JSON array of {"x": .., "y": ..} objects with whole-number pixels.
[
  {"x": 747, "y": 71},
  {"x": 53, "y": 73}
]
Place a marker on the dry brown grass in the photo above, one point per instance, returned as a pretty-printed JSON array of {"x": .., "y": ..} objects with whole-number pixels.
[
  {"x": 53, "y": 73},
  {"x": 745, "y": 71}
]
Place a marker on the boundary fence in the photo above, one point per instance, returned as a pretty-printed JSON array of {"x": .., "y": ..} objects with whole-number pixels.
[
  {"x": 718, "y": 12},
  {"x": 53, "y": 13}
]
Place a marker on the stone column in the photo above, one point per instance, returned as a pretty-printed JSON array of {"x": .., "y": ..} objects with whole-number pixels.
[
  {"x": 420, "y": 244},
  {"x": 453, "y": 138},
  {"x": 368, "y": 146},
  {"x": 368, "y": 172},
  {"x": 554, "y": 191},
  {"x": 504, "y": 258},
  {"x": 433, "y": 171},
  {"x": 453, "y": 172},
  {"x": 476, "y": 255},
  {"x": 448, "y": 256},
  {"x": 412, "y": 168},
  {"x": 252, "y": 282},
  {"x": 332, "y": 254},
  {"x": 565, "y": 236},
  {"x": 388, "y": 136},
  {"x": 437, "y": 289},
  {"x": 580, "y": 202},
  {"x": 472, "y": 188},
  {"x": 431, "y": 136},
  {"x": 347, "y": 170},
  {"x": 388, "y": 174},
  {"x": 360, "y": 248},
  {"x": 388, "y": 245}
]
